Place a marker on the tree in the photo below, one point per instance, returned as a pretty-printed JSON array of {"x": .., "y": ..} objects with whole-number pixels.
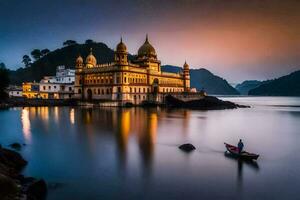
[
  {"x": 26, "y": 60},
  {"x": 45, "y": 52},
  {"x": 69, "y": 42},
  {"x": 89, "y": 41},
  {"x": 36, "y": 54},
  {"x": 4, "y": 81}
]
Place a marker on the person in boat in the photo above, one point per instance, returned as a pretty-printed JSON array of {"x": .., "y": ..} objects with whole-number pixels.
[{"x": 240, "y": 146}]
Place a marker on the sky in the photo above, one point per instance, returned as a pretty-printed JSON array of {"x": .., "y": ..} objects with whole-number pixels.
[{"x": 235, "y": 39}]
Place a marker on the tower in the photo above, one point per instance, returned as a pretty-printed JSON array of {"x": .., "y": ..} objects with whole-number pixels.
[
  {"x": 121, "y": 57},
  {"x": 186, "y": 77},
  {"x": 78, "y": 87}
]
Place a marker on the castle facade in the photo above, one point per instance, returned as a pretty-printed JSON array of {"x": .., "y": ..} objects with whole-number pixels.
[{"x": 128, "y": 81}]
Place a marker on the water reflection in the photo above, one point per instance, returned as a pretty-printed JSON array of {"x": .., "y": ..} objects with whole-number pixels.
[
  {"x": 147, "y": 138},
  {"x": 142, "y": 128},
  {"x": 26, "y": 124},
  {"x": 72, "y": 116},
  {"x": 122, "y": 133},
  {"x": 240, "y": 165},
  {"x": 56, "y": 114},
  {"x": 110, "y": 153}
]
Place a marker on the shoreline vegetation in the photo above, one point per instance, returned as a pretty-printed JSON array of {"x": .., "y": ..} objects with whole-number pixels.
[
  {"x": 14, "y": 185},
  {"x": 205, "y": 103}
]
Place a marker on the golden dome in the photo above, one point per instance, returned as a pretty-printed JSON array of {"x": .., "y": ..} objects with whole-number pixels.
[
  {"x": 90, "y": 59},
  {"x": 121, "y": 47},
  {"x": 186, "y": 66},
  {"x": 146, "y": 49},
  {"x": 79, "y": 60}
]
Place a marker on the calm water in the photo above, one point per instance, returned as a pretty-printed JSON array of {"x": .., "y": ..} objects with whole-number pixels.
[{"x": 112, "y": 153}]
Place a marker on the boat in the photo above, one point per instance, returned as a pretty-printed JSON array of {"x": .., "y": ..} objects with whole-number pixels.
[{"x": 243, "y": 155}]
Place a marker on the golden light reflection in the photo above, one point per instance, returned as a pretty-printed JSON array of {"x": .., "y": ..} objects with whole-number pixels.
[
  {"x": 26, "y": 124},
  {"x": 88, "y": 116},
  {"x": 56, "y": 114},
  {"x": 125, "y": 123},
  {"x": 147, "y": 137},
  {"x": 123, "y": 130},
  {"x": 153, "y": 127},
  {"x": 72, "y": 116},
  {"x": 44, "y": 113}
]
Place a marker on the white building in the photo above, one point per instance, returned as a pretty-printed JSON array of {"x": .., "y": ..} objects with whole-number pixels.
[
  {"x": 14, "y": 91},
  {"x": 62, "y": 76},
  {"x": 60, "y": 86}
]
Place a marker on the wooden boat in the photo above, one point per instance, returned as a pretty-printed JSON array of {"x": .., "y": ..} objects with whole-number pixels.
[{"x": 243, "y": 155}]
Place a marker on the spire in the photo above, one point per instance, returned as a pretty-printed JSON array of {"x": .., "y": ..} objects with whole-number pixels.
[
  {"x": 121, "y": 40},
  {"x": 91, "y": 51},
  {"x": 186, "y": 66},
  {"x": 147, "y": 41}
]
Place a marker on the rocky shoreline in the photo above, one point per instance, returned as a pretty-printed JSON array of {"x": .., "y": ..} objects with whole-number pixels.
[
  {"x": 206, "y": 103},
  {"x": 13, "y": 185}
]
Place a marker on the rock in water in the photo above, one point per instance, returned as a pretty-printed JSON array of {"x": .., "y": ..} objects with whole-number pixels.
[
  {"x": 16, "y": 146},
  {"x": 37, "y": 190},
  {"x": 12, "y": 159},
  {"x": 206, "y": 103},
  {"x": 187, "y": 147}
]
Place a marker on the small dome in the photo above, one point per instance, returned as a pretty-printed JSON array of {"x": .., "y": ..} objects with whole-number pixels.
[
  {"x": 146, "y": 49},
  {"x": 90, "y": 59},
  {"x": 121, "y": 47},
  {"x": 79, "y": 60},
  {"x": 186, "y": 66}
]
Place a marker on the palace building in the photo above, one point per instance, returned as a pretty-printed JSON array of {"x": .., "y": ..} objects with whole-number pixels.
[{"x": 135, "y": 81}]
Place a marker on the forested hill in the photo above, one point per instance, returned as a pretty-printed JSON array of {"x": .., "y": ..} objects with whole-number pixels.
[
  {"x": 202, "y": 78},
  {"x": 247, "y": 85},
  {"x": 67, "y": 55},
  {"x": 284, "y": 86}
]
